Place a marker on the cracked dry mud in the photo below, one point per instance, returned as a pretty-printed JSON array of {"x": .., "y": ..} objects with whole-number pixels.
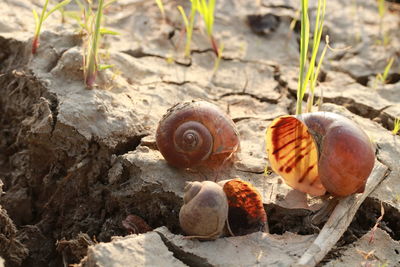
[{"x": 75, "y": 162}]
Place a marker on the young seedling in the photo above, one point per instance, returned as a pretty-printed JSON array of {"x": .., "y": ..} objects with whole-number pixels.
[
  {"x": 314, "y": 78},
  {"x": 206, "y": 9},
  {"x": 43, "y": 16},
  {"x": 396, "y": 126},
  {"x": 310, "y": 75},
  {"x": 382, "y": 77},
  {"x": 381, "y": 11},
  {"x": 218, "y": 59},
  {"x": 161, "y": 7},
  {"x": 189, "y": 24},
  {"x": 91, "y": 58},
  {"x": 81, "y": 17}
]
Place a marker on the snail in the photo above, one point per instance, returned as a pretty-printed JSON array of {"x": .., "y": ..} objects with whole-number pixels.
[
  {"x": 205, "y": 210},
  {"x": 229, "y": 207},
  {"x": 196, "y": 133},
  {"x": 320, "y": 151}
]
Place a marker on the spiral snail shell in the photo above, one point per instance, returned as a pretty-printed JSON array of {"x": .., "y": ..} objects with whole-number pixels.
[
  {"x": 320, "y": 151},
  {"x": 205, "y": 210},
  {"x": 196, "y": 133}
]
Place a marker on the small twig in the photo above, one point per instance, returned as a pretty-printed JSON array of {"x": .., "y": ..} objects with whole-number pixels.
[
  {"x": 340, "y": 219},
  {"x": 376, "y": 225}
]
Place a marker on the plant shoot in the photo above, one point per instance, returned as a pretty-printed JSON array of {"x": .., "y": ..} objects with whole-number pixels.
[
  {"x": 206, "y": 9},
  {"x": 382, "y": 77},
  {"x": 91, "y": 58},
  {"x": 43, "y": 16},
  {"x": 161, "y": 7},
  {"x": 396, "y": 126},
  {"x": 189, "y": 24},
  {"x": 308, "y": 76}
]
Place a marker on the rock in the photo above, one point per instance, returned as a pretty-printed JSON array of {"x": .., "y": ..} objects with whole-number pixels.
[
  {"x": 250, "y": 250},
  {"x": 140, "y": 250}
]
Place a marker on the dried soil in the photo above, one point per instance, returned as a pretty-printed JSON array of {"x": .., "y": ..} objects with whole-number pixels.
[{"x": 74, "y": 163}]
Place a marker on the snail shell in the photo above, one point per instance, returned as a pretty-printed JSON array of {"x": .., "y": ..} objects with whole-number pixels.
[
  {"x": 205, "y": 210},
  {"x": 320, "y": 151},
  {"x": 246, "y": 210},
  {"x": 196, "y": 133}
]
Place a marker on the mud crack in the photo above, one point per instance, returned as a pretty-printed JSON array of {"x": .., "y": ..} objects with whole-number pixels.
[
  {"x": 186, "y": 257},
  {"x": 261, "y": 99},
  {"x": 139, "y": 53}
]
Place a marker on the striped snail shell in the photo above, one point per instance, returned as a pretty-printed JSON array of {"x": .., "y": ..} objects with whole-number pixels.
[{"x": 320, "y": 151}]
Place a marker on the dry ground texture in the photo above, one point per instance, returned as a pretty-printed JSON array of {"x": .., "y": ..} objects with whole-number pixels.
[{"x": 74, "y": 163}]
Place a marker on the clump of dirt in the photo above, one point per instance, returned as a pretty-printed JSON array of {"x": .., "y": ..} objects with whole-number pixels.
[
  {"x": 11, "y": 248},
  {"x": 56, "y": 180}
]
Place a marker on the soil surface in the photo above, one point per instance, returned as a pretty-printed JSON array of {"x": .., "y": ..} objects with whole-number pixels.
[{"x": 75, "y": 163}]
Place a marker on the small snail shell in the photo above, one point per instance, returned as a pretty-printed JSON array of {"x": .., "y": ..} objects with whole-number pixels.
[
  {"x": 196, "y": 133},
  {"x": 205, "y": 210},
  {"x": 320, "y": 151},
  {"x": 246, "y": 210}
]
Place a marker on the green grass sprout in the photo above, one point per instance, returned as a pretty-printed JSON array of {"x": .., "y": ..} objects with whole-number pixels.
[
  {"x": 39, "y": 21},
  {"x": 83, "y": 17},
  {"x": 381, "y": 11},
  {"x": 94, "y": 30},
  {"x": 161, "y": 7},
  {"x": 304, "y": 39},
  {"x": 314, "y": 78},
  {"x": 382, "y": 77},
  {"x": 189, "y": 24},
  {"x": 384, "y": 36},
  {"x": 218, "y": 59},
  {"x": 311, "y": 75},
  {"x": 396, "y": 126},
  {"x": 206, "y": 9}
]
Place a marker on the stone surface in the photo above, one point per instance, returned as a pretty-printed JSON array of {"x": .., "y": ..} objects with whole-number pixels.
[
  {"x": 140, "y": 250},
  {"x": 250, "y": 250}
]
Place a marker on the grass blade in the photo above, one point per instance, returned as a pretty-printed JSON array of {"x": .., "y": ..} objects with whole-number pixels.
[
  {"x": 189, "y": 24},
  {"x": 161, "y": 7},
  {"x": 396, "y": 126},
  {"x": 105, "y": 66},
  {"x": 308, "y": 79},
  {"x": 304, "y": 39},
  {"x": 36, "y": 17},
  {"x": 313, "y": 81},
  {"x": 387, "y": 69},
  {"x": 107, "y": 31},
  {"x": 56, "y": 7},
  {"x": 91, "y": 67},
  {"x": 184, "y": 17}
]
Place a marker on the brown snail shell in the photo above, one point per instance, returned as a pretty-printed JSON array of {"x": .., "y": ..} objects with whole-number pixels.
[
  {"x": 246, "y": 209},
  {"x": 320, "y": 151},
  {"x": 209, "y": 207},
  {"x": 196, "y": 133},
  {"x": 205, "y": 210}
]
